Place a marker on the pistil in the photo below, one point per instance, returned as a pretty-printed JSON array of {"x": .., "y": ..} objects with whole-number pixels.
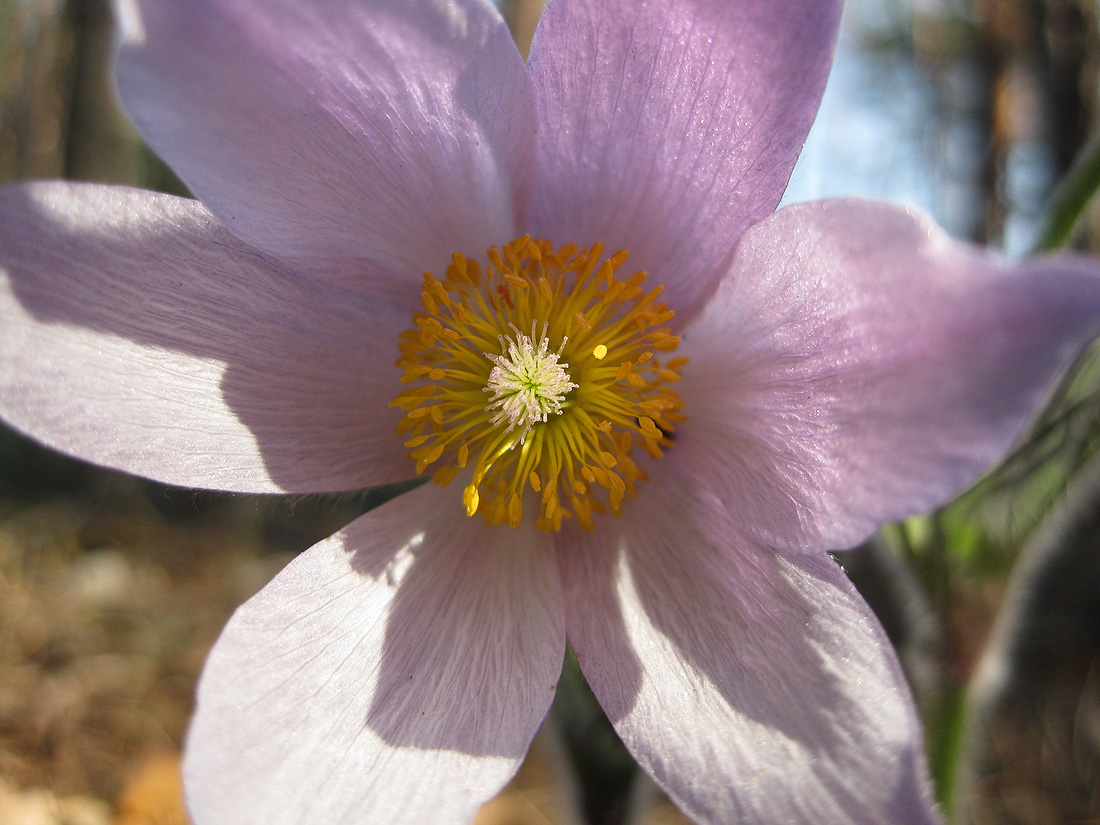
[{"x": 527, "y": 382}]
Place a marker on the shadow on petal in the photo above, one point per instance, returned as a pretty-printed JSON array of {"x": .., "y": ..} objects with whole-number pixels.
[
  {"x": 757, "y": 686},
  {"x": 590, "y": 566},
  {"x": 137, "y": 315},
  {"x": 732, "y": 613},
  {"x": 395, "y": 672},
  {"x": 476, "y": 617}
]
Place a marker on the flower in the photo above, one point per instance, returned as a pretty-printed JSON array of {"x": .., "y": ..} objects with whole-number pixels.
[{"x": 836, "y": 365}]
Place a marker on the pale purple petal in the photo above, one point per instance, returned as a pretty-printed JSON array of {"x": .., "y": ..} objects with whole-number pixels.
[
  {"x": 754, "y": 687},
  {"x": 858, "y": 366},
  {"x": 363, "y": 141},
  {"x": 138, "y": 333},
  {"x": 394, "y": 673},
  {"x": 667, "y": 127}
]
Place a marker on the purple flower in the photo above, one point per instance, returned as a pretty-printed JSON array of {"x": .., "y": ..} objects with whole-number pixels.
[{"x": 847, "y": 364}]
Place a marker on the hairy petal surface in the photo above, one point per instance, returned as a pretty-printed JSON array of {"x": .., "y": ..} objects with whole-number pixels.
[
  {"x": 858, "y": 366},
  {"x": 394, "y": 673},
  {"x": 667, "y": 127},
  {"x": 362, "y": 141},
  {"x": 754, "y": 687},
  {"x": 140, "y": 334}
]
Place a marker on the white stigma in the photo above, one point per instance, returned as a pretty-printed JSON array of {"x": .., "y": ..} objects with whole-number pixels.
[{"x": 527, "y": 382}]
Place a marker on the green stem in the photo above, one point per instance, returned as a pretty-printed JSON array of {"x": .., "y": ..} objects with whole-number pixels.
[
  {"x": 1070, "y": 200},
  {"x": 945, "y": 743}
]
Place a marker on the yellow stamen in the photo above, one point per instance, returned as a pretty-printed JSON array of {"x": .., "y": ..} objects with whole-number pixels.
[{"x": 558, "y": 411}]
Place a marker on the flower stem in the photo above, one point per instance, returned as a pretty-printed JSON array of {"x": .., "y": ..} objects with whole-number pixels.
[{"x": 1070, "y": 200}]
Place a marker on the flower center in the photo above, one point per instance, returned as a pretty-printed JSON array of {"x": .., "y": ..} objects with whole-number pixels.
[
  {"x": 547, "y": 420},
  {"x": 527, "y": 384}
]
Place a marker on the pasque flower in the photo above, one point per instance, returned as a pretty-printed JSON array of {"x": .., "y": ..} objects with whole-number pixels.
[{"x": 647, "y": 452}]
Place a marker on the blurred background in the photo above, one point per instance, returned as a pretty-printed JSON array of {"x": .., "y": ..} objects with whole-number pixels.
[{"x": 112, "y": 588}]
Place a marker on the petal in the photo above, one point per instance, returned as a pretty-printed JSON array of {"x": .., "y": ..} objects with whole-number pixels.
[
  {"x": 394, "y": 673},
  {"x": 363, "y": 141},
  {"x": 858, "y": 366},
  {"x": 668, "y": 127},
  {"x": 140, "y": 334},
  {"x": 754, "y": 687}
]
